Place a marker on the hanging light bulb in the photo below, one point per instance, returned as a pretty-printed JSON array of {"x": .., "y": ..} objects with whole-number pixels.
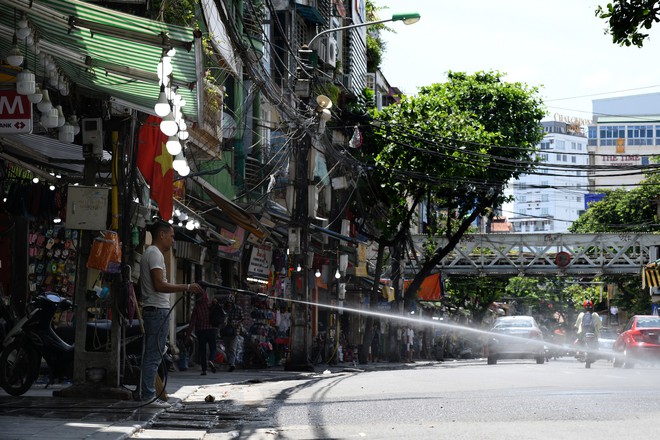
[
  {"x": 162, "y": 107},
  {"x": 65, "y": 133},
  {"x": 317, "y": 274},
  {"x": 298, "y": 269},
  {"x": 190, "y": 225},
  {"x": 37, "y": 96},
  {"x": 73, "y": 120},
  {"x": 49, "y": 118},
  {"x": 179, "y": 163},
  {"x": 60, "y": 116},
  {"x": 168, "y": 125},
  {"x": 45, "y": 105},
  {"x": 184, "y": 171},
  {"x": 15, "y": 57},
  {"x": 183, "y": 134},
  {"x": 337, "y": 274},
  {"x": 25, "y": 83},
  {"x": 173, "y": 145}
]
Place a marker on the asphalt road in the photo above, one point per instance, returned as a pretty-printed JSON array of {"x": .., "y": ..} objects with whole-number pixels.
[{"x": 511, "y": 400}]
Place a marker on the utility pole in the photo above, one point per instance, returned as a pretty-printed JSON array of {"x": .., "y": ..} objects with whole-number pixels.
[{"x": 298, "y": 359}]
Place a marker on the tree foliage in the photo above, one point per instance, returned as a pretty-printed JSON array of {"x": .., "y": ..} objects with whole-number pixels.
[
  {"x": 454, "y": 147},
  {"x": 627, "y": 20},
  {"x": 633, "y": 210}
]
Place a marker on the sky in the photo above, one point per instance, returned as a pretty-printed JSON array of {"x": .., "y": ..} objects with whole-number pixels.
[{"x": 558, "y": 46}]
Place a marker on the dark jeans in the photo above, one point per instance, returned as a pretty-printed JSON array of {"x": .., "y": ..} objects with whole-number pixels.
[{"x": 206, "y": 338}]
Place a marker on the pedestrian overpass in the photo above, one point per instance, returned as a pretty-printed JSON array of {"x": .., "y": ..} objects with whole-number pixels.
[{"x": 544, "y": 254}]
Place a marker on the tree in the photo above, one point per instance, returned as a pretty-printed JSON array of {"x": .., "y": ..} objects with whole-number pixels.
[
  {"x": 628, "y": 19},
  {"x": 453, "y": 147},
  {"x": 622, "y": 210}
]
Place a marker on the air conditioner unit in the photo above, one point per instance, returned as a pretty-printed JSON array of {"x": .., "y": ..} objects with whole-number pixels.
[{"x": 331, "y": 57}]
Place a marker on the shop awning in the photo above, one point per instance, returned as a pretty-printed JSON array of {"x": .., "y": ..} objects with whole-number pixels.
[
  {"x": 237, "y": 214},
  {"x": 310, "y": 14},
  {"x": 432, "y": 288},
  {"x": 47, "y": 152},
  {"x": 107, "y": 51}
]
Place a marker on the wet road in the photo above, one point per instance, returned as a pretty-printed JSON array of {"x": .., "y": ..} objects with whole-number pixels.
[{"x": 510, "y": 400}]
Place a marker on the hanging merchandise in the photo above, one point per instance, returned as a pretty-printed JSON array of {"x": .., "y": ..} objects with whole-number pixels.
[
  {"x": 52, "y": 255},
  {"x": 105, "y": 254}
]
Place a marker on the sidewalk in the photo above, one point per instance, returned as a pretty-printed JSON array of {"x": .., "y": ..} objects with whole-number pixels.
[{"x": 39, "y": 415}]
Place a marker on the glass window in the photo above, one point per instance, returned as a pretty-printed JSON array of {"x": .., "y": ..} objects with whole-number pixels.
[
  {"x": 560, "y": 145},
  {"x": 609, "y": 134},
  {"x": 573, "y": 159},
  {"x": 640, "y": 135}
]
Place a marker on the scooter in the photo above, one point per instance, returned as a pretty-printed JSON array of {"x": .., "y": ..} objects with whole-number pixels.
[
  {"x": 587, "y": 349},
  {"x": 32, "y": 338}
]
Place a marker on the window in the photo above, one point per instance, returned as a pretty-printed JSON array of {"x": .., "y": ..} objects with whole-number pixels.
[
  {"x": 560, "y": 145},
  {"x": 558, "y": 157},
  {"x": 573, "y": 159},
  {"x": 593, "y": 135},
  {"x": 544, "y": 211},
  {"x": 640, "y": 135},
  {"x": 522, "y": 198},
  {"x": 545, "y": 198},
  {"x": 564, "y": 158},
  {"x": 573, "y": 145},
  {"x": 543, "y": 157},
  {"x": 609, "y": 134},
  {"x": 545, "y": 145}
]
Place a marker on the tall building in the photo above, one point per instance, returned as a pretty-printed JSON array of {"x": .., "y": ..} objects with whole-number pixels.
[
  {"x": 550, "y": 199},
  {"x": 625, "y": 132}
]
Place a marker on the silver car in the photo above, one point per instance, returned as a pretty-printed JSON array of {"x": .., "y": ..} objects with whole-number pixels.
[{"x": 515, "y": 337}]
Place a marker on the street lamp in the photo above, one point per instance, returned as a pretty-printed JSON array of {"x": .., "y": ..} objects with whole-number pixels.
[{"x": 408, "y": 18}]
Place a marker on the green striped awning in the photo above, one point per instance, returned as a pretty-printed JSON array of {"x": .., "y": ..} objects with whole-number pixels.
[{"x": 108, "y": 51}]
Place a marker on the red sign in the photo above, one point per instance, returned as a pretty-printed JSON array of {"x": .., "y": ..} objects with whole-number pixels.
[
  {"x": 562, "y": 259},
  {"x": 15, "y": 113}
]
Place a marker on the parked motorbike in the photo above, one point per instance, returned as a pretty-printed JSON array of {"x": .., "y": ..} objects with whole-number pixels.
[{"x": 32, "y": 338}]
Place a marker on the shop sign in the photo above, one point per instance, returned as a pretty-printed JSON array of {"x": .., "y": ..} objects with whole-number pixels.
[
  {"x": 15, "y": 113},
  {"x": 260, "y": 261},
  {"x": 235, "y": 250}
]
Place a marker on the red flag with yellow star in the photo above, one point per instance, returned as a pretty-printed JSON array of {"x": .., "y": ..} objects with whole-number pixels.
[{"x": 155, "y": 164}]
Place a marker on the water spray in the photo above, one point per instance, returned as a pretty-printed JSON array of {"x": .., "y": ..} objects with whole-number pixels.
[{"x": 416, "y": 320}]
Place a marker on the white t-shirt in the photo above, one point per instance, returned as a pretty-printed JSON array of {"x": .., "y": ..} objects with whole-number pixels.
[{"x": 151, "y": 259}]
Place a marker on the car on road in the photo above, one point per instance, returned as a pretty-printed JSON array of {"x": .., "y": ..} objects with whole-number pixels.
[
  {"x": 639, "y": 341},
  {"x": 606, "y": 338},
  {"x": 515, "y": 337}
]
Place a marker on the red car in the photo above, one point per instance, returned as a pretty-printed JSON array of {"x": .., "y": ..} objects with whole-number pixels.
[{"x": 639, "y": 341}]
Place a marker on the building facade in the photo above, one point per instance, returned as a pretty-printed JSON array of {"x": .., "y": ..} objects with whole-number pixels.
[
  {"x": 625, "y": 133},
  {"x": 550, "y": 199}
]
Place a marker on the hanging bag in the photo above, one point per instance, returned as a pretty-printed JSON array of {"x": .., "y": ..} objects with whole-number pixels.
[{"x": 105, "y": 254}]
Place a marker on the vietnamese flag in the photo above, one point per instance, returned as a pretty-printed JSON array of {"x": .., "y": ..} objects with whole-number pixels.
[{"x": 155, "y": 164}]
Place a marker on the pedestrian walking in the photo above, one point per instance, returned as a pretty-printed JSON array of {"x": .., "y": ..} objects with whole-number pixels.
[
  {"x": 156, "y": 309},
  {"x": 231, "y": 333},
  {"x": 206, "y": 333},
  {"x": 375, "y": 343}
]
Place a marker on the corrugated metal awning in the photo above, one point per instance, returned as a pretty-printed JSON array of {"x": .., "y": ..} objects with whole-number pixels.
[{"x": 106, "y": 50}]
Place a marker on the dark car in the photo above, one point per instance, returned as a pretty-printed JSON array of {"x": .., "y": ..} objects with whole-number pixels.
[
  {"x": 639, "y": 341},
  {"x": 515, "y": 337}
]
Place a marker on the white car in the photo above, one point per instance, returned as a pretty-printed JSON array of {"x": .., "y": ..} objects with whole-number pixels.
[{"x": 515, "y": 337}]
